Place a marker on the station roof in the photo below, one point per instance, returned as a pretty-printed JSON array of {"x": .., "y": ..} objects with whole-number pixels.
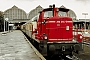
[{"x": 82, "y": 20}]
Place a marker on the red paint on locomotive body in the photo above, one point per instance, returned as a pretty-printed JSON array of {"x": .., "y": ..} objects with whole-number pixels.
[
  {"x": 55, "y": 28},
  {"x": 58, "y": 31}
]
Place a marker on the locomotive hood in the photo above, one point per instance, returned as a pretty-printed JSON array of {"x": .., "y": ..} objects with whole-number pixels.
[{"x": 58, "y": 28}]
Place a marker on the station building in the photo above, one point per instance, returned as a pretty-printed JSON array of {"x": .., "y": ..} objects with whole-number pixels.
[
  {"x": 17, "y": 16},
  {"x": 82, "y": 23},
  {"x": 34, "y": 12},
  {"x": 78, "y": 23}
]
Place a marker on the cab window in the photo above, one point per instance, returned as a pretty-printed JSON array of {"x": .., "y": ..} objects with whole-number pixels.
[{"x": 48, "y": 14}]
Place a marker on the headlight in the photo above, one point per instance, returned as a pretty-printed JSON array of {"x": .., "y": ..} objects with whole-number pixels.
[
  {"x": 74, "y": 40},
  {"x": 45, "y": 37},
  {"x": 81, "y": 37}
]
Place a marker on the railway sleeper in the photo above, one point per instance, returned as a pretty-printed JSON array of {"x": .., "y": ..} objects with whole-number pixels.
[{"x": 73, "y": 57}]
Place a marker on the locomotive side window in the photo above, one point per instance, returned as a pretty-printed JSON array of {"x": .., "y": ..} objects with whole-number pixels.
[{"x": 48, "y": 14}]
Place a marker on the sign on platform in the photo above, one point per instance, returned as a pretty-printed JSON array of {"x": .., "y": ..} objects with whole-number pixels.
[{"x": 6, "y": 19}]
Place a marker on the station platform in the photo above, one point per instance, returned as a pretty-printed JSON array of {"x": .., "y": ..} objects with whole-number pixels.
[{"x": 15, "y": 46}]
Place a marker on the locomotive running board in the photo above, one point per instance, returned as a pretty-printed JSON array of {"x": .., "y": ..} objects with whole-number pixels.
[{"x": 62, "y": 42}]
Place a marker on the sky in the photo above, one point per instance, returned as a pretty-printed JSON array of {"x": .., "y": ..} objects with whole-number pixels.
[{"x": 78, "y": 6}]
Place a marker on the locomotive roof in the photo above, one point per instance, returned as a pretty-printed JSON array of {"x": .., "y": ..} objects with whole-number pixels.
[
  {"x": 60, "y": 9},
  {"x": 33, "y": 19}
]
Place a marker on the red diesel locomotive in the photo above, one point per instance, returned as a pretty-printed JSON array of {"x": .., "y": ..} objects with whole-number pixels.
[{"x": 52, "y": 32}]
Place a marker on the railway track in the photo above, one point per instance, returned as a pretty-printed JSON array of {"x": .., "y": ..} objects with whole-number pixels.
[
  {"x": 58, "y": 57},
  {"x": 73, "y": 57},
  {"x": 85, "y": 54},
  {"x": 87, "y": 44}
]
